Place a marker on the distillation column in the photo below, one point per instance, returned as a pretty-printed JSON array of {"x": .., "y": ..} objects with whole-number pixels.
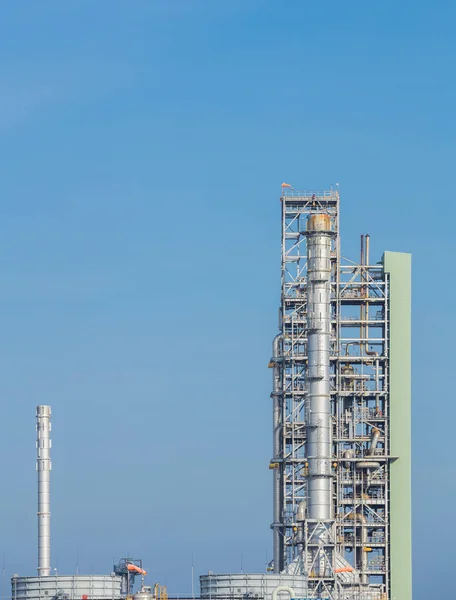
[
  {"x": 319, "y": 428},
  {"x": 43, "y": 466}
]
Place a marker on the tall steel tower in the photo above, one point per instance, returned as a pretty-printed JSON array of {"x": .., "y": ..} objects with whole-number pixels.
[
  {"x": 44, "y": 466},
  {"x": 341, "y": 410}
]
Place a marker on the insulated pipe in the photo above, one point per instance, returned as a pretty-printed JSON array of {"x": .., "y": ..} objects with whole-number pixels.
[
  {"x": 370, "y": 464},
  {"x": 362, "y": 250},
  {"x": 365, "y": 258},
  {"x": 278, "y": 552},
  {"x": 362, "y": 309},
  {"x": 301, "y": 517},
  {"x": 276, "y": 357},
  {"x": 367, "y": 464},
  {"x": 364, "y": 576},
  {"x": 319, "y": 430},
  {"x": 348, "y": 454},
  {"x": 43, "y": 466},
  {"x": 362, "y": 519},
  {"x": 302, "y": 509},
  {"x": 283, "y": 588},
  {"x": 374, "y": 441},
  {"x": 366, "y": 249},
  {"x": 362, "y": 464},
  {"x": 276, "y": 390}
]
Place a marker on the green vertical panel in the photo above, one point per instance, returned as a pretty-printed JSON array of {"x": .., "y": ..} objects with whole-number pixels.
[{"x": 398, "y": 266}]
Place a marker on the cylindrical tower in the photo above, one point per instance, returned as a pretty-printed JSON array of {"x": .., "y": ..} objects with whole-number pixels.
[
  {"x": 43, "y": 466},
  {"x": 319, "y": 430}
]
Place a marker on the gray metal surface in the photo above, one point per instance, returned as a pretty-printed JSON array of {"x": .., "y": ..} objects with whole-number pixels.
[
  {"x": 145, "y": 593},
  {"x": 66, "y": 587},
  {"x": 319, "y": 419},
  {"x": 43, "y": 466}
]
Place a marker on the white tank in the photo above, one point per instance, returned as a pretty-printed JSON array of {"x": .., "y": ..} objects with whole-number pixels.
[
  {"x": 244, "y": 586},
  {"x": 66, "y": 587}
]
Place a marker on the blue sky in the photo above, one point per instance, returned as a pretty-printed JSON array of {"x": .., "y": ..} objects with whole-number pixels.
[{"x": 142, "y": 147}]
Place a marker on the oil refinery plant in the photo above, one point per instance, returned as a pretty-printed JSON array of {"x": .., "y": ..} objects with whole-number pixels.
[
  {"x": 341, "y": 412},
  {"x": 341, "y": 405}
]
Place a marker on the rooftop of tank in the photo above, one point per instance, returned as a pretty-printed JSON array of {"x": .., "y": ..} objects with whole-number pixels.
[{"x": 57, "y": 575}]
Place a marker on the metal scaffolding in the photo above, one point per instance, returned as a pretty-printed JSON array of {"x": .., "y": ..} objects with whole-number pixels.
[{"x": 342, "y": 551}]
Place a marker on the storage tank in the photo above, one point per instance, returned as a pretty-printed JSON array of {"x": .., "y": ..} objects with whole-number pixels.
[
  {"x": 243, "y": 586},
  {"x": 145, "y": 593},
  {"x": 67, "y": 587}
]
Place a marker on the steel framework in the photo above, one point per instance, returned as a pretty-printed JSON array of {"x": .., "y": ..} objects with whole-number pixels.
[{"x": 351, "y": 559}]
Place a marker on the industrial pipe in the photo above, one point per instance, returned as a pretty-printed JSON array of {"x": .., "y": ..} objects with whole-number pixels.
[
  {"x": 366, "y": 254},
  {"x": 362, "y": 464},
  {"x": 302, "y": 509},
  {"x": 374, "y": 441},
  {"x": 277, "y": 351},
  {"x": 370, "y": 464},
  {"x": 357, "y": 516},
  {"x": 364, "y": 576},
  {"x": 283, "y": 588},
  {"x": 367, "y": 464},
  {"x": 365, "y": 258},
  {"x": 300, "y": 518},
  {"x": 348, "y": 454},
  {"x": 362, "y": 250},
  {"x": 362, "y": 309},
  {"x": 43, "y": 466}
]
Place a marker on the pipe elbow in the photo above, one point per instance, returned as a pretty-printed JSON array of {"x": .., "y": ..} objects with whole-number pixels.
[{"x": 283, "y": 588}]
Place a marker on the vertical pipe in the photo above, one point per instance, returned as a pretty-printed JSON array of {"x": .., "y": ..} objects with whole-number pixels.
[
  {"x": 277, "y": 484},
  {"x": 377, "y": 386},
  {"x": 364, "y": 305},
  {"x": 43, "y": 466},
  {"x": 319, "y": 432},
  {"x": 374, "y": 441},
  {"x": 364, "y": 565},
  {"x": 362, "y": 332},
  {"x": 362, "y": 250},
  {"x": 366, "y": 295}
]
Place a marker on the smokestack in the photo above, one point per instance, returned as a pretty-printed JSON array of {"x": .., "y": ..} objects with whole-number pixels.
[{"x": 43, "y": 466}]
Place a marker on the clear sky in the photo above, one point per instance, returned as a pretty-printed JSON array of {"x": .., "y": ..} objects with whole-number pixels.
[{"x": 142, "y": 147}]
